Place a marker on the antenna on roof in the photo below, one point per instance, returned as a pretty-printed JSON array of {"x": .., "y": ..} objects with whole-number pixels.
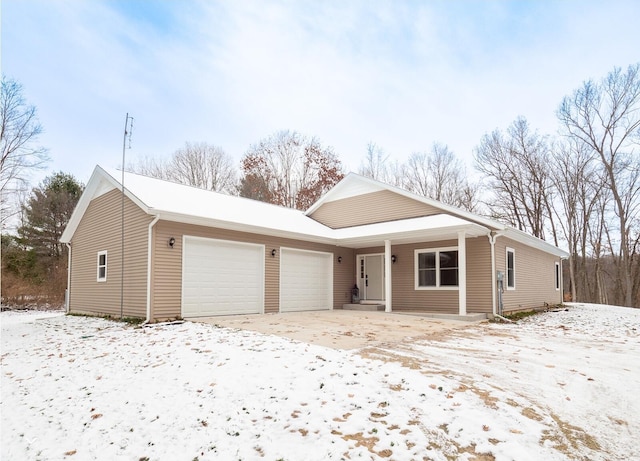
[{"x": 128, "y": 131}]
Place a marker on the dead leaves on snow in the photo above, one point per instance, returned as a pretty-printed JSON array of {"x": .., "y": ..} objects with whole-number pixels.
[{"x": 367, "y": 442}]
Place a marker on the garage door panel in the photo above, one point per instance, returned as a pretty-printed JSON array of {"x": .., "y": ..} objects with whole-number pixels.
[
  {"x": 306, "y": 280},
  {"x": 221, "y": 277}
]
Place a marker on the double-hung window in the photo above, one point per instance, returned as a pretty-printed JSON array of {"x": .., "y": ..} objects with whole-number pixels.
[
  {"x": 102, "y": 266},
  {"x": 511, "y": 269},
  {"x": 436, "y": 268},
  {"x": 557, "y": 275}
]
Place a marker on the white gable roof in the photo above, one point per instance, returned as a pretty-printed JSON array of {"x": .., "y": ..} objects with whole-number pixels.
[
  {"x": 186, "y": 204},
  {"x": 353, "y": 184},
  {"x": 178, "y": 202}
]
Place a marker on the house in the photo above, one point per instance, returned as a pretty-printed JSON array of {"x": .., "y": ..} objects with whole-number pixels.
[{"x": 164, "y": 251}]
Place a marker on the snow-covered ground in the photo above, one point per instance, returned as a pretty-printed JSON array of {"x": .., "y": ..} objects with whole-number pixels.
[{"x": 559, "y": 385}]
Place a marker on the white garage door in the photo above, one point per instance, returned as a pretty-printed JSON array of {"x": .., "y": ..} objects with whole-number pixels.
[
  {"x": 221, "y": 277},
  {"x": 306, "y": 280}
]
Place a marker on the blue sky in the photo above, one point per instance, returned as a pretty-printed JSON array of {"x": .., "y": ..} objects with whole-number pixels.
[{"x": 403, "y": 74}]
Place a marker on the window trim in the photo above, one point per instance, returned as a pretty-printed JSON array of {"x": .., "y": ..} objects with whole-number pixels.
[
  {"x": 99, "y": 266},
  {"x": 416, "y": 269},
  {"x": 557, "y": 275},
  {"x": 506, "y": 268}
]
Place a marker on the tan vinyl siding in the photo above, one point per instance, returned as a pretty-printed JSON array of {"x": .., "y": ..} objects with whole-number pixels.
[
  {"x": 479, "y": 283},
  {"x": 100, "y": 230},
  {"x": 167, "y": 265},
  {"x": 374, "y": 207},
  {"x": 405, "y": 296},
  {"x": 534, "y": 276}
]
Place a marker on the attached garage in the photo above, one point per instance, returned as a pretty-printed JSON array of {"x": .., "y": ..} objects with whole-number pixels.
[
  {"x": 306, "y": 280},
  {"x": 221, "y": 277}
]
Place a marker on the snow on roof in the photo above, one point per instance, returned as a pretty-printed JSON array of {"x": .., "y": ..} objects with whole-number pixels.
[
  {"x": 354, "y": 184},
  {"x": 178, "y": 202}
]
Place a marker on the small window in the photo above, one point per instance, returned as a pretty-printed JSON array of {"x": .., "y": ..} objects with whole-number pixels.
[
  {"x": 511, "y": 269},
  {"x": 436, "y": 268},
  {"x": 102, "y": 266},
  {"x": 557, "y": 274}
]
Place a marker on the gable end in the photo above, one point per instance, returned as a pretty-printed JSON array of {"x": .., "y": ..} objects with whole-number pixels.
[{"x": 370, "y": 208}]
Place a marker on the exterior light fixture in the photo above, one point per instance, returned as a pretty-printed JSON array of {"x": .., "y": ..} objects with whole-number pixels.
[
  {"x": 273, "y": 253},
  {"x": 394, "y": 258},
  {"x": 172, "y": 241},
  {"x": 339, "y": 259}
]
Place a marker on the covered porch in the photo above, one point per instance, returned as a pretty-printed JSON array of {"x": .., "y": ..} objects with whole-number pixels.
[{"x": 418, "y": 266}]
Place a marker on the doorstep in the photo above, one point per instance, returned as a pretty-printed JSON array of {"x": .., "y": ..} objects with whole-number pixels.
[{"x": 363, "y": 307}]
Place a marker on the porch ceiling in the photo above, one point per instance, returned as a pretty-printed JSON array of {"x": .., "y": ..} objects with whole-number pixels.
[{"x": 414, "y": 230}]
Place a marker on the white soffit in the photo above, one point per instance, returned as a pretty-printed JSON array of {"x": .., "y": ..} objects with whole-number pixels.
[{"x": 408, "y": 230}]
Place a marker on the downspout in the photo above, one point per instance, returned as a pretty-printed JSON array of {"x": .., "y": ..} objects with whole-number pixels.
[
  {"x": 494, "y": 287},
  {"x": 492, "y": 242},
  {"x": 68, "y": 297},
  {"x": 149, "y": 249}
]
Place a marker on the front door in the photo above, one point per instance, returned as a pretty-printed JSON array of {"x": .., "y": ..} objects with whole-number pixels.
[{"x": 371, "y": 277}]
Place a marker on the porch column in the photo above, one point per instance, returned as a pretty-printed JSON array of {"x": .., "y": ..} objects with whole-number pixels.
[
  {"x": 387, "y": 275},
  {"x": 462, "y": 274}
]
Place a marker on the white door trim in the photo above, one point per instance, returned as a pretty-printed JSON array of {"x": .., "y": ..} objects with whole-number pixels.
[{"x": 363, "y": 289}]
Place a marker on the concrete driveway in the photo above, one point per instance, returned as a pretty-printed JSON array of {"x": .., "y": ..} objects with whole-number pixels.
[{"x": 342, "y": 329}]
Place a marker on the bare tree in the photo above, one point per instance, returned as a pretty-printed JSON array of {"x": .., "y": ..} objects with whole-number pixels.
[
  {"x": 577, "y": 182},
  {"x": 20, "y": 153},
  {"x": 517, "y": 165},
  {"x": 377, "y": 165},
  {"x": 150, "y": 166},
  {"x": 199, "y": 164},
  {"x": 203, "y": 165},
  {"x": 440, "y": 175},
  {"x": 289, "y": 169},
  {"x": 605, "y": 115}
]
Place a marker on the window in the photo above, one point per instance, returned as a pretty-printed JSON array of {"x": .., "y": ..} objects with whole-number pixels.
[
  {"x": 436, "y": 268},
  {"x": 557, "y": 274},
  {"x": 102, "y": 266},
  {"x": 511, "y": 269}
]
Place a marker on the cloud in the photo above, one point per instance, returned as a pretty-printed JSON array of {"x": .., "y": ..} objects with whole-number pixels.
[{"x": 401, "y": 74}]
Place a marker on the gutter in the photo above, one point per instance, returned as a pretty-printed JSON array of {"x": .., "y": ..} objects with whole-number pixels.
[
  {"x": 66, "y": 307},
  {"x": 149, "y": 249}
]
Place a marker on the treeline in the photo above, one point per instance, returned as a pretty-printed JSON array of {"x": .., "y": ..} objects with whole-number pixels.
[
  {"x": 34, "y": 262},
  {"x": 579, "y": 190}
]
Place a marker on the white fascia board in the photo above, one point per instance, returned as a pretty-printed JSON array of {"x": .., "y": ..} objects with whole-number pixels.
[
  {"x": 252, "y": 229},
  {"x": 352, "y": 183},
  {"x": 426, "y": 228},
  {"x": 534, "y": 242},
  {"x": 336, "y": 193},
  {"x": 450, "y": 209},
  {"x": 413, "y": 236},
  {"x": 93, "y": 188},
  {"x": 99, "y": 184},
  {"x": 409, "y": 231}
]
